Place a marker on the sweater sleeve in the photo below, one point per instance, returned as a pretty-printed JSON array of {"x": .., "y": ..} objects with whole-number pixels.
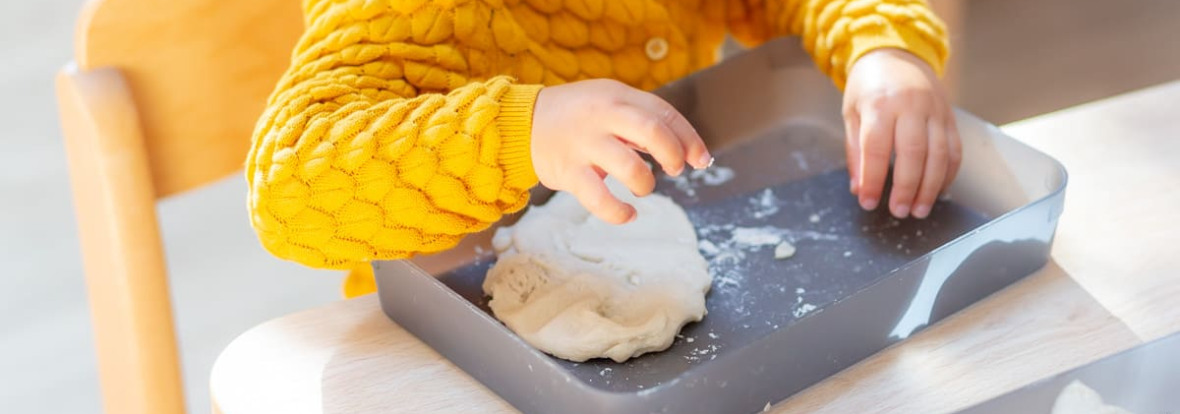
[
  {"x": 838, "y": 32},
  {"x": 375, "y": 145}
]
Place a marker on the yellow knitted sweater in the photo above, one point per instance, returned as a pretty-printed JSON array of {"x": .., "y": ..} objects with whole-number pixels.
[{"x": 403, "y": 125}]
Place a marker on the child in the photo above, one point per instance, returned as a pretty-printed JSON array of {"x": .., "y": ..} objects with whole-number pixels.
[{"x": 403, "y": 125}]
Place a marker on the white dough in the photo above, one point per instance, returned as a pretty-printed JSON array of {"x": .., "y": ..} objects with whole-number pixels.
[
  {"x": 1077, "y": 398},
  {"x": 784, "y": 250},
  {"x": 578, "y": 288}
]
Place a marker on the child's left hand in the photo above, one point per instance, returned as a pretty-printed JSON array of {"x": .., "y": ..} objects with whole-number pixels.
[{"x": 893, "y": 102}]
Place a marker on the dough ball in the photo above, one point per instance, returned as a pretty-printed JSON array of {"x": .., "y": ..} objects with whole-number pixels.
[{"x": 578, "y": 288}]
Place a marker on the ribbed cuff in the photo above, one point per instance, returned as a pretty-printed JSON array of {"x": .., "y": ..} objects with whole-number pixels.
[
  {"x": 890, "y": 36},
  {"x": 515, "y": 122}
]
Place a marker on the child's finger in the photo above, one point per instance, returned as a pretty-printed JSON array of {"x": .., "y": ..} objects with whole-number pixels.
[
  {"x": 954, "y": 151},
  {"x": 876, "y": 144},
  {"x": 936, "y": 168},
  {"x": 696, "y": 153},
  {"x": 649, "y": 133},
  {"x": 625, "y": 165},
  {"x": 852, "y": 147},
  {"x": 592, "y": 193},
  {"x": 910, "y": 147}
]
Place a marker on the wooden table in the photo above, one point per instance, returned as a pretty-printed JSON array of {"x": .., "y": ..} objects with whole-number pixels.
[{"x": 1113, "y": 283}]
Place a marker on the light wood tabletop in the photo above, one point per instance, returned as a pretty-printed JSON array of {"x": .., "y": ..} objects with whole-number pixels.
[{"x": 1112, "y": 284}]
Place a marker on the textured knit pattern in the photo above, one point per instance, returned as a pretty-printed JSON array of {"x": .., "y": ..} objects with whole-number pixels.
[{"x": 403, "y": 125}]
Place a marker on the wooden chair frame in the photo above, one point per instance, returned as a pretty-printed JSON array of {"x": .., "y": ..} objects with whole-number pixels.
[{"x": 161, "y": 98}]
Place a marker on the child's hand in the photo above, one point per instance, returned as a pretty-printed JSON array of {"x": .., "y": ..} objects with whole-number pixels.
[
  {"x": 893, "y": 102},
  {"x": 584, "y": 130}
]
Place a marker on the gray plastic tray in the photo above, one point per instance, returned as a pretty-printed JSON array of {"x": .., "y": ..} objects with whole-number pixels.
[
  {"x": 1142, "y": 380},
  {"x": 859, "y": 282}
]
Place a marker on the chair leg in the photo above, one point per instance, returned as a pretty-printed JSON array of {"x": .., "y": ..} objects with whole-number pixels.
[{"x": 114, "y": 200}]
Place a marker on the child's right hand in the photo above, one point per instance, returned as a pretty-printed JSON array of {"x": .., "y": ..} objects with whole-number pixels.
[{"x": 583, "y": 131}]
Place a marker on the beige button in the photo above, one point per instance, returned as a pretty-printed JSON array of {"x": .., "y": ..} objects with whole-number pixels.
[{"x": 656, "y": 48}]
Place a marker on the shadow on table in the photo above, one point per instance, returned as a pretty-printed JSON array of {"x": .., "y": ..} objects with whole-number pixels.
[{"x": 396, "y": 372}]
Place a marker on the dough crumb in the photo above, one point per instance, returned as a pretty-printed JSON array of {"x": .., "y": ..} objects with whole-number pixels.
[
  {"x": 707, "y": 247},
  {"x": 814, "y": 218},
  {"x": 784, "y": 250},
  {"x": 689, "y": 339},
  {"x": 713, "y": 176},
  {"x": 803, "y": 310},
  {"x": 688, "y": 183}
]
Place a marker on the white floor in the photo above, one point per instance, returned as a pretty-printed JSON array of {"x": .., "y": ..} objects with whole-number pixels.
[{"x": 222, "y": 281}]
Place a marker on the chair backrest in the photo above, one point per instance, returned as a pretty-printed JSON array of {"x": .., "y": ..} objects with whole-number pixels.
[
  {"x": 161, "y": 98},
  {"x": 199, "y": 72}
]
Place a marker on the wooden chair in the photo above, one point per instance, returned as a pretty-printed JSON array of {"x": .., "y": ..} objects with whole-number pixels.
[{"x": 161, "y": 98}]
